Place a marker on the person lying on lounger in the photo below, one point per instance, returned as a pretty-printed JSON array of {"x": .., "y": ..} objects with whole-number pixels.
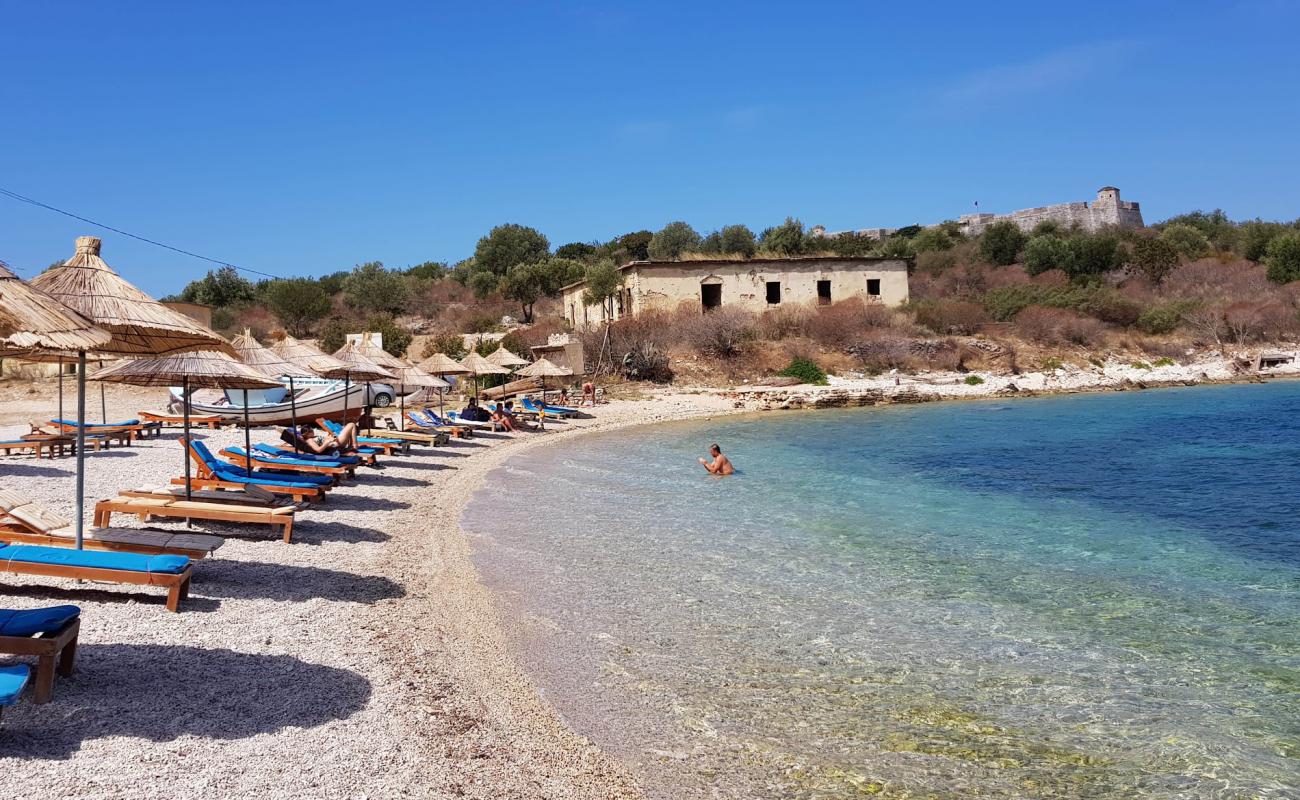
[
  {"x": 720, "y": 465},
  {"x": 323, "y": 443}
]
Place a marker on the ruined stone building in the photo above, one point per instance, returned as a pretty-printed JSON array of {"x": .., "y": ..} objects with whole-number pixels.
[
  {"x": 756, "y": 284},
  {"x": 1108, "y": 209}
]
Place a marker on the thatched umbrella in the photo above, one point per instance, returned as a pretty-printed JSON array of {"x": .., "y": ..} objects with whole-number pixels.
[
  {"x": 309, "y": 357},
  {"x": 379, "y": 355},
  {"x": 414, "y": 376},
  {"x": 273, "y": 365},
  {"x": 203, "y": 369},
  {"x": 477, "y": 365},
  {"x": 363, "y": 368},
  {"x": 140, "y": 326},
  {"x": 543, "y": 368},
  {"x": 504, "y": 358},
  {"x": 441, "y": 364},
  {"x": 36, "y": 327}
]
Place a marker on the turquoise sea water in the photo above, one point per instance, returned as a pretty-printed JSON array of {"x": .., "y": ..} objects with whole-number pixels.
[{"x": 1091, "y": 596}]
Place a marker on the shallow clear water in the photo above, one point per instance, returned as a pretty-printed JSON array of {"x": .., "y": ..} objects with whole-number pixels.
[{"x": 1090, "y": 596}]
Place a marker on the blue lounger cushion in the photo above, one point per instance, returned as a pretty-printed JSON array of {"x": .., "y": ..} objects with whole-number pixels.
[
  {"x": 36, "y": 620},
  {"x": 272, "y": 450},
  {"x": 73, "y": 423},
  {"x": 234, "y": 474},
  {"x": 270, "y": 462},
  {"x": 335, "y": 428},
  {"x": 12, "y": 680},
  {"x": 93, "y": 559}
]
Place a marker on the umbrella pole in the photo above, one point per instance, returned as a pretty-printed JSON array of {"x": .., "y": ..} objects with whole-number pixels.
[
  {"x": 248, "y": 439},
  {"x": 293, "y": 413},
  {"x": 346, "y": 389},
  {"x": 81, "y": 446},
  {"x": 61, "y": 387},
  {"x": 365, "y": 409},
  {"x": 401, "y": 401},
  {"x": 185, "y": 451},
  {"x": 103, "y": 405}
]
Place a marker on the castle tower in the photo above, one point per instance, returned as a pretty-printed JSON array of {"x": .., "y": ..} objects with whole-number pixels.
[{"x": 1105, "y": 209}]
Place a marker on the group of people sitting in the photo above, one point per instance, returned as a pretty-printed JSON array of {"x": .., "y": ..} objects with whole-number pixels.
[
  {"x": 311, "y": 439},
  {"x": 501, "y": 414}
]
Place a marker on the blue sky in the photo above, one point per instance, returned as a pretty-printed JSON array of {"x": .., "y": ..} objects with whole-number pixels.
[{"x": 304, "y": 138}]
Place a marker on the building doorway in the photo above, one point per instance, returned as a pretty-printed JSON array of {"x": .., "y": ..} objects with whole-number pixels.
[
  {"x": 773, "y": 293},
  {"x": 823, "y": 293},
  {"x": 711, "y": 295}
]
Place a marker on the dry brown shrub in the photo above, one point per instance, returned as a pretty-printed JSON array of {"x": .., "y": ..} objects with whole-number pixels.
[
  {"x": 721, "y": 333},
  {"x": 951, "y": 316},
  {"x": 1052, "y": 277},
  {"x": 1054, "y": 326},
  {"x": 841, "y": 323},
  {"x": 881, "y": 351},
  {"x": 785, "y": 321},
  {"x": 1211, "y": 280},
  {"x": 540, "y": 332}
]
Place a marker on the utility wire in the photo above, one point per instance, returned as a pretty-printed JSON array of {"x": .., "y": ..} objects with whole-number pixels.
[{"x": 30, "y": 201}]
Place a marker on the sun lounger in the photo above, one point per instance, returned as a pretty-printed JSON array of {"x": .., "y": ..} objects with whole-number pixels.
[
  {"x": 247, "y": 496},
  {"x": 286, "y": 452},
  {"x": 123, "y": 436},
  {"x": 433, "y": 438},
  {"x": 239, "y": 457},
  {"x": 426, "y": 424},
  {"x": 135, "y": 426},
  {"x": 13, "y": 679},
  {"x": 148, "y": 507},
  {"x": 216, "y": 474},
  {"x": 364, "y": 443},
  {"x": 24, "y": 522},
  {"x": 50, "y": 634},
  {"x": 20, "y": 444},
  {"x": 551, "y": 411},
  {"x": 172, "y": 572},
  {"x": 454, "y": 418},
  {"x": 211, "y": 420}
]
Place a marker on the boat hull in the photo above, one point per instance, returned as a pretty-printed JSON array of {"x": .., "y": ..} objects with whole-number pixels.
[{"x": 329, "y": 405}]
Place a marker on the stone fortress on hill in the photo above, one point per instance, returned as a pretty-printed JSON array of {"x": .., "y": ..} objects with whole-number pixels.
[{"x": 1107, "y": 210}]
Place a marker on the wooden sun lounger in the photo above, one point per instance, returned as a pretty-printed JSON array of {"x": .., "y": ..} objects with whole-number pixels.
[
  {"x": 104, "y": 437},
  {"x": 35, "y": 445},
  {"x": 246, "y": 496},
  {"x": 388, "y": 449},
  {"x": 458, "y": 431},
  {"x": 266, "y": 462},
  {"x": 22, "y": 521},
  {"x": 57, "y": 646},
  {"x": 145, "y": 508},
  {"x": 204, "y": 478},
  {"x": 132, "y": 568},
  {"x": 211, "y": 420},
  {"x": 392, "y": 432}
]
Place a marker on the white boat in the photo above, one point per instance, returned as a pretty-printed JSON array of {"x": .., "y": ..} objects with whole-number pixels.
[{"x": 314, "y": 398}]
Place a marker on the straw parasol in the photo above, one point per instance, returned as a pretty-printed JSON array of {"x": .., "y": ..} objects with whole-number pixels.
[
  {"x": 140, "y": 326},
  {"x": 274, "y": 366},
  {"x": 441, "y": 364},
  {"x": 206, "y": 369},
  {"x": 378, "y": 354},
  {"x": 309, "y": 357},
  {"x": 477, "y": 365},
  {"x": 504, "y": 358},
  {"x": 31, "y": 320},
  {"x": 361, "y": 367},
  {"x": 544, "y": 368}
]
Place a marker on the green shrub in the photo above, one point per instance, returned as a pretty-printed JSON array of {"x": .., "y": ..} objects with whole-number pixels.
[
  {"x": 1140, "y": 365},
  {"x": 1163, "y": 362},
  {"x": 1051, "y": 364},
  {"x": 973, "y": 380},
  {"x": 1164, "y": 318},
  {"x": 806, "y": 371}
]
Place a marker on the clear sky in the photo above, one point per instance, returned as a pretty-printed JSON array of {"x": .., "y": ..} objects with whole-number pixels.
[{"x": 302, "y": 138}]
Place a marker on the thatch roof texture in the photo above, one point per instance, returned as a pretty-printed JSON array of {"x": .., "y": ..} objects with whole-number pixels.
[
  {"x": 205, "y": 369},
  {"x": 478, "y": 365},
  {"x": 542, "y": 368},
  {"x": 309, "y": 357},
  {"x": 504, "y": 358},
  {"x": 379, "y": 355},
  {"x": 442, "y": 364},
  {"x": 140, "y": 325},
  {"x": 32, "y": 320},
  {"x": 409, "y": 376},
  {"x": 265, "y": 360},
  {"x": 361, "y": 367}
]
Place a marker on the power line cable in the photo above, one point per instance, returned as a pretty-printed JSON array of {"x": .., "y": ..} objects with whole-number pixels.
[{"x": 30, "y": 201}]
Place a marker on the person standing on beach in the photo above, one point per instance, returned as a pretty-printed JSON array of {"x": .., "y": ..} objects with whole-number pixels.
[{"x": 720, "y": 465}]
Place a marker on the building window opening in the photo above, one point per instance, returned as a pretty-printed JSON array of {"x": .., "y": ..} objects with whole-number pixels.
[
  {"x": 823, "y": 293},
  {"x": 711, "y": 295},
  {"x": 773, "y": 293},
  {"x": 873, "y": 287}
]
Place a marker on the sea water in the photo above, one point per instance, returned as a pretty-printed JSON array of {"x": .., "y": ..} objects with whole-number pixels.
[{"x": 1088, "y": 596}]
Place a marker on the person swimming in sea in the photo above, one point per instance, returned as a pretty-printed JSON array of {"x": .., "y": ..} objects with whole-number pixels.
[{"x": 720, "y": 465}]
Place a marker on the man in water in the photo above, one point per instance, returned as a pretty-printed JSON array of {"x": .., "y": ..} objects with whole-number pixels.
[{"x": 720, "y": 465}]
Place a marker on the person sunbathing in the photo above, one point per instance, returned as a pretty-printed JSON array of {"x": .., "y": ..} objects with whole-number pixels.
[
  {"x": 720, "y": 465},
  {"x": 327, "y": 444}
]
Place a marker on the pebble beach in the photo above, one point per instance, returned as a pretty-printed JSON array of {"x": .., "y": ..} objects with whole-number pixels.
[{"x": 362, "y": 660}]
